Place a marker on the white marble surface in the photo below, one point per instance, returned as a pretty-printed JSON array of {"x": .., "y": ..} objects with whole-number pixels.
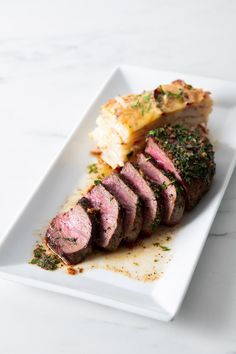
[{"x": 53, "y": 58}]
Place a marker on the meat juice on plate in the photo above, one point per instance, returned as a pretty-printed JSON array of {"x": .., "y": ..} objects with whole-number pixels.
[
  {"x": 188, "y": 161},
  {"x": 146, "y": 260}
]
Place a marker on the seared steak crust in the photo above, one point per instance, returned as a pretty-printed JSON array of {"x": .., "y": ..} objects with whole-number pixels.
[{"x": 188, "y": 155}]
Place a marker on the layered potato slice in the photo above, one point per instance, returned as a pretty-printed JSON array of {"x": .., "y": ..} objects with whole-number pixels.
[{"x": 124, "y": 121}]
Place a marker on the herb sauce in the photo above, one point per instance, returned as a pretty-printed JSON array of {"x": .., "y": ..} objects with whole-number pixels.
[{"x": 44, "y": 259}]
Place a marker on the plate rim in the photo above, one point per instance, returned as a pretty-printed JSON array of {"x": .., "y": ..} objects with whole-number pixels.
[{"x": 165, "y": 315}]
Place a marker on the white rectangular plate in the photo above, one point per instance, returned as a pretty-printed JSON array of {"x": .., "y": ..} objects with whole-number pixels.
[{"x": 160, "y": 299}]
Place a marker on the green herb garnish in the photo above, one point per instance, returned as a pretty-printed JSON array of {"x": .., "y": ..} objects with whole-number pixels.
[
  {"x": 156, "y": 189},
  {"x": 191, "y": 153},
  {"x": 159, "y": 93},
  {"x": 164, "y": 186},
  {"x": 164, "y": 248},
  {"x": 44, "y": 260},
  {"x": 179, "y": 95},
  {"x": 147, "y": 98},
  {"x": 142, "y": 109},
  {"x": 174, "y": 181},
  {"x": 136, "y": 104},
  {"x": 97, "y": 181},
  {"x": 152, "y": 133},
  {"x": 143, "y": 103},
  {"x": 155, "y": 223},
  {"x": 149, "y": 107},
  {"x": 92, "y": 168}
]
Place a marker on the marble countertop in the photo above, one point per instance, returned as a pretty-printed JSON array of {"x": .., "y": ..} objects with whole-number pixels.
[{"x": 53, "y": 58}]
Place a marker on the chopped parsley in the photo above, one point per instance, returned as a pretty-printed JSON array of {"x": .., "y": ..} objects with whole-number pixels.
[
  {"x": 159, "y": 94},
  {"x": 178, "y": 96},
  {"x": 149, "y": 107},
  {"x": 92, "y": 168},
  {"x": 152, "y": 133},
  {"x": 136, "y": 105},
  {"x": 174, "y": 181},
  {"x": 161, "y": 90},
  {"x": 155, "y": 223},
  {"x": 156, "y": 189},
  {"x": 142, "y": 109},
  {"x": 143, "y": 103},
  {"x": 44, "y": 260},
  {"x": 164, "y": 186},
  {"x": 164, "y": 248},
  {"x": 191, "y": 153},
  {"x": 148, "y": 158},
  {"x": 97, "y": 181},
  {"x": 147, "y": 98}
]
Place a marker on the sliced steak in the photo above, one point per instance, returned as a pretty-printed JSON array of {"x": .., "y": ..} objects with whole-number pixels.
[
  {"x": 174, "y": 201},
  {"x": 129, "y": 201},
  {"x": 69, "y": 235},
  {"x": 188, "y": 155},
  {"x": 163, "y": 161},
  {"x": 110, "y": 217},
  {"x": 151, "y": 210}
]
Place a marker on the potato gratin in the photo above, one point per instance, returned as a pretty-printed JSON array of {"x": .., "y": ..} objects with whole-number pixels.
[{"x": 124, "y": 121}]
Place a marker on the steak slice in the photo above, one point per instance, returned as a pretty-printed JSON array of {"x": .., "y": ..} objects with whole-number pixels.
[
  {"x": 174, "y": 201},
  {"x": 151, "y": 210},
  {"x": 188, "y": 155},
  {"x": 69, "y": 235},
  {"x": 110, "y": 217},
  {"x": 130, "y": 203}
]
